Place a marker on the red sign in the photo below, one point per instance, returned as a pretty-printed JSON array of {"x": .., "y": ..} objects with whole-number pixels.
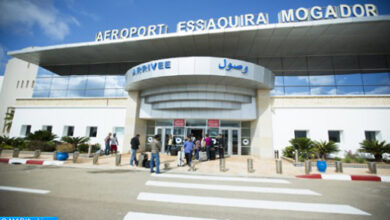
[
  {"x": 179, "y": 123},
  {"x": 213, "y": 123}
]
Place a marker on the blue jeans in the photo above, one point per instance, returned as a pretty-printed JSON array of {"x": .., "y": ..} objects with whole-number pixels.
[
  {"x": 133, "y": 157},
  {"x": 157, "y": 157},
  {"x": 107, "y": 150},
  {"x": 197, "y": 154},
  {"x": 208, "y": 152}
]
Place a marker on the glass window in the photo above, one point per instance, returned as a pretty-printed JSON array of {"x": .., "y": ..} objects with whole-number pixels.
[
  {"x": 57, "y": 93},
  {"x": 178, "y": 131},
  {"x": 370, "y": 135},
  {"x": 44, "y": 72},
  {"x": 349, "y": 90},
  {"x": 195, "y": 122},
  {"x": 76, "y": 93},
  {"x": 119, "y": 131},
  {"x": 297, "y": 90},
  {"x": 279, "y": 81},
  {"x": 42, "y": 83},
  {"x": 77, "y": 82},
  {"x": 371, "y": 90},
  {"x": 376, "y": 79},
  {"x": 296, "y": 80},
  {"x": 164, "y": 122},
  {"x": 41, "y": 93},
  {"x": 334, "y": 136},
  {"x": 68, "y": 131},
  {"x": 322, "y": 80},
  {"x": 323, "y": 90},
  {"x": 349, "y": 79},
  {"x": 212, "y": 132},
  {"x": 47, "y": 128},
  {"x": 277, "y": 91},
  {"x": 115, "y": 81},
  {"x": 94, "y": 92},
  {"x": 59, "y": 83},
  {"x": 300, "y": 134},
  {"x": 25, "y": 130},
  {"x": 230, "y": 124},
  {"x": 96, "y": 82},
  {"x": 92, "y": 131}
]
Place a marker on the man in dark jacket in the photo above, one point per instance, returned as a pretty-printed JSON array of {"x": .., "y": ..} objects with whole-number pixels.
[
  {"x": 134, "y": 147},
  {"x": 221, "y": 146}
]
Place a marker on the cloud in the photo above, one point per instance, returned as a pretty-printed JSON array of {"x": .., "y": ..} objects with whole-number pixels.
[
  {"x": 28, "y": 13},
  {"x": 322, "y": 80}
]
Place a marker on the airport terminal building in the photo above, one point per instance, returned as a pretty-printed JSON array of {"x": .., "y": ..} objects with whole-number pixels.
[{"x": 322, "y": 73}]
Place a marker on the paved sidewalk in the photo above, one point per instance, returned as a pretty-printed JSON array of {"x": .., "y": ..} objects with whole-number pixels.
[{"x": 236, "y": 165}]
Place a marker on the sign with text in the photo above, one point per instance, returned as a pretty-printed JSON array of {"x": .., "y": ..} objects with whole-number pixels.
[
  {"x": 213, "y": 123},
  {"x": 179, "y": 123}
]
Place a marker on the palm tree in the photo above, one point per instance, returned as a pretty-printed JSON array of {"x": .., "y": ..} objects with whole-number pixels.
[
  {"x": 75, "y": 141},
  {"x": 41, "y": 135},
  {"x": 303, "y": 145},
  {"x": 9, "y": 116},
  {"x": 325, "y": 147},
  {"x": 375, "y": 147}
]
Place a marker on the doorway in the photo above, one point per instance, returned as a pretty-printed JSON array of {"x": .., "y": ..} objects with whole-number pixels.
[
  {"x": 231, "y": 137},
  {"x": 164, "y": 133},
  {"x": 197, "y": 132}
]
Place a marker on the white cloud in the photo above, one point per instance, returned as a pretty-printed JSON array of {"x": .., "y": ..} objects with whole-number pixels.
[
  {"x": 28, "y": 13},
  {"x": 322, "y": 80}
]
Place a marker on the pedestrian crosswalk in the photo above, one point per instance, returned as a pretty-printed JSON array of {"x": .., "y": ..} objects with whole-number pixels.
[{"x": 165, "y": 189}]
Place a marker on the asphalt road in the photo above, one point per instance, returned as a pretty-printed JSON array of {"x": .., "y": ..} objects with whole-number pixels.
[{"x": 112, "y": 194}]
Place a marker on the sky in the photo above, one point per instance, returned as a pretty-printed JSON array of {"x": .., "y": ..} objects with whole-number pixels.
[{"x": 27, "y": 23}]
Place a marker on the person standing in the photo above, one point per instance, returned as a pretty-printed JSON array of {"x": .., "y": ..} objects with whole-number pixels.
[
  {"x": 107, "y": 141},
  {"x": 197, "y": 148},
  {"x": 188, "y": 148},
  {"x": 114, "y": 144},
  {"x": 207, "y": 141},
  {"x": 156, "y": 148},
  {"x": 221, "y": 146},
  {"x": 134, "y": 147},
  {"x": 170, "y": 143}
]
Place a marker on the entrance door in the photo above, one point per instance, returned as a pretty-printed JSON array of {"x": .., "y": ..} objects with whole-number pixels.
[
  {"x": 232, "y": 137},
  {"x": 164, "y": 134}
]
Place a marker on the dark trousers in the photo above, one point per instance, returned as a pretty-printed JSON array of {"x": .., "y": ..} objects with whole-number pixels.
[
  {"x": 221, "y": 152},
  {"x": 208, "y": 152},
  {"x": 188, "y": 158}
]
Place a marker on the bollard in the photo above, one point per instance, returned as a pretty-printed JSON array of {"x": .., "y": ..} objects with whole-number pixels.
[
  {"x": 277, "y": 154},
  {"x": 222, "y": 164},
  {"x": 76, "y": 155},
  {"x": 89, "y": 151},
  {"x": 37, "y": 153},
  {"x": 296, "y": 156},
  {"x": 95, "y": 158},
  {"x": 192, "y": 168},
  {"x": 1, "y": 150},
  {"x": 15, "y": 153},
  {"x": 372, "y": 167},
  {"x": 339, "y": 167},
  {"x": 307, "y": 166},
  {"x": 250, "y": 166},
  {"x": 278, "y": 166},
  {"x": 54, "y": 155},
  {"x": 118, "y": 159},
  {"x": 166, "y": 166}
]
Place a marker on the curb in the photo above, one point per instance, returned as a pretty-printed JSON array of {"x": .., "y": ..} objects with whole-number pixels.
[
  {"x": 346, "y": 177},
  {"x": 26, "y": 161}
]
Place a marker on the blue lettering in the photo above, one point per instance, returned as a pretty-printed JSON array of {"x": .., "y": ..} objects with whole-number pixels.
[
  {"x": 167, "y": 64},
  {"x": 144, "y": 68},
  {"x": 160, "y": 65},
  {"x": 139, "y": 70},
  {"x": 154, "y": 65}
]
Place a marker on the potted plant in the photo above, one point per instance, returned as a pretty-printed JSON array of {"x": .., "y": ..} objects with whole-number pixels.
[
  {"x": 323, "y": 148},
  {"x": 63, "y": 151}
]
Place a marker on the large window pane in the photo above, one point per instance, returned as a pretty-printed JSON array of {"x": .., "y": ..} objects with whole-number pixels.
[
  {"x": 57, "y": 93},
  {"x": 59, "y": 83},
  {"x": 94, "y": 93},
  {"x": 195, "y": 122},
  {"x": 349, "y": 90},
  {"x": 164, "y": 123},
  {"x": 322, "y": 80},
  {"x": 370, "y": 90},
  {"x": 277, "y": 91},
  {"x": 230, "y": 124},
  {"x": 323, "y": 90},
  {"x": 41, "y": 93},
  {"x": 114, "y": 93},
  {"x": 77, "y": 82},
  {"x": 115, "y": 82},
  {"x": 76, "y": 93},
  {"x": 279, "y": 81},
  {"x": 297, "y": 90},
  {"x": 296, "y": 80},
  {"x": 96, "y": 82},
  {"x": 349, "y": 79},
  {"x": 42, "y": 83},
  {"x": 376, "y": 79}
]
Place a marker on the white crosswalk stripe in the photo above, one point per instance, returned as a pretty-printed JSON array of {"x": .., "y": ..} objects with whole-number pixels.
[
  {"x": 149, "y": 216},
  {"x": 26, "y": 190},
  {"x": 232, "y": 188}
]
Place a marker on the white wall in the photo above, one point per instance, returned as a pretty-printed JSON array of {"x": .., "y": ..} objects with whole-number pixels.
[
  {"x": 103, "y": 118},
  {"x": 1, "y": 81},
  {"x": 351, "y": 121}
]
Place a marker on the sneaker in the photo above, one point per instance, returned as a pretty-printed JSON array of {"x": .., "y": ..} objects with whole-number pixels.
[{"x": 152, "y": 171}]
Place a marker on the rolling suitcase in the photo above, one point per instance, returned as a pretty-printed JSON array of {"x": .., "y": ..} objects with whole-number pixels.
[
  {"x": 212, "y": 153},
  {"x": 202, "y": 156},
  {"x": 180, "y": 158},
  {"x": 141, "y": 159}
]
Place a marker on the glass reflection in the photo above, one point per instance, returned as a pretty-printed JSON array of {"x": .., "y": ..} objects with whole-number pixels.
[
  {"x": 371, "y": 90},
  {"x": 277, "y": 91},
  {"x": 42, "y": 83},
  {"x": 77, "y": 82},
  {"x": 59, "y": 83},
  {"x": 58, "y": 93},
  {"x": 349, "y": 79},
  {"x": 96, "y": 82},
  {"x": 323, "y": 90},
  {"x": 302, "y": 90},
  {"x": 41, "y": 93},
  {"x": 296, "y": 80},
  {"x": 278, "y": 80},
  {"x": 349, "y": 90},
  {"x": 376, "y": 79},
  {"x": 115, "y": 81},
  {"x": 322, "y": 80},
  {"x": 76, "y": 93},
  {"x": 94, "y": 93}
]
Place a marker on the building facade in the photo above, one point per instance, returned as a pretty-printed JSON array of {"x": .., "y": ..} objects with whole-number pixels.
[{"x": 259, "y": 86}]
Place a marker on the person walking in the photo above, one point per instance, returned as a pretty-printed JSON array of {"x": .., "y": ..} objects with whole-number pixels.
[
  {"x": 170, "y": 143},
  {"x": 197, "y": 148},
  {"x": 221, "y": 146},
  {"x": 114, "y": 144},
  {"x": 107, "y": 141},
  {"x": 156, "y": 148},
  {"x": 188, "y": 148},
  {"x": 134, "y": 147},
  {"x": 207, "y": 141}
]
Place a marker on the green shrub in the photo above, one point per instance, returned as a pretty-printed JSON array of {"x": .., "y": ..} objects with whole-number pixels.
[
  {"x": 289, "y": 152},
  {"x": 337, "y": 159},
  {"x": 83, "y": 148},
  {"x": 325, "y": 147},
  {"x": 303, "y": 145},
  {"x": 360, "y": 160},
  {"x": 375, "y": 147},
  {"x": 95, "y": 147},
  {"x": 347, "y": 160},
  {"x": 65, "y": 148},
  {"x": 41, "y": 135},
  {"x": 44, "y": 146}
]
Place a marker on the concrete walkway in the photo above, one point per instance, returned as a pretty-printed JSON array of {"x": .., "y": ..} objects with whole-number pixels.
[{"x": 235, "y": 165}]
